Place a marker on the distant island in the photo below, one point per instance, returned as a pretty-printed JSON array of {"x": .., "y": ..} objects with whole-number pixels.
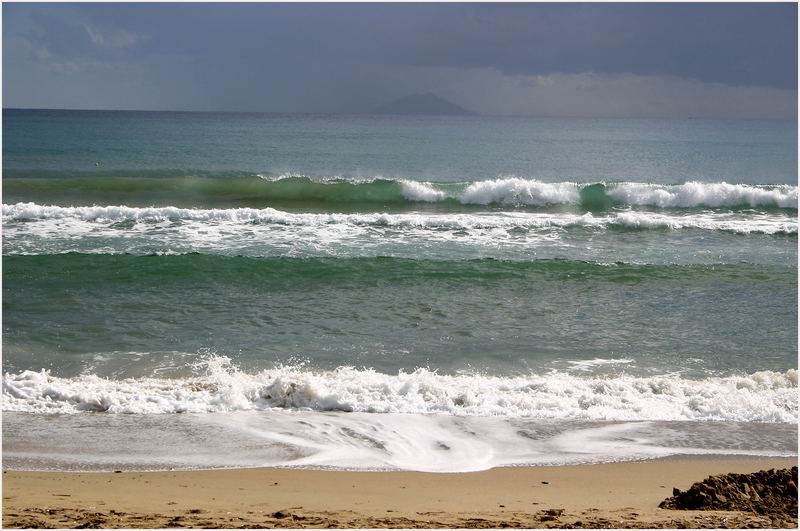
[{"x": 427, "y": 103}]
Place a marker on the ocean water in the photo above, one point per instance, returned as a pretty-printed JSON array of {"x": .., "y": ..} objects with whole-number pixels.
[{"x": 206, "y": 290}]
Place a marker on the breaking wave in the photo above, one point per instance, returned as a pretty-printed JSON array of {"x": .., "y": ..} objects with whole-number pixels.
[
  {"x": 298, "y": 190},
  {"x": 219, "y": 386},
  {"x": 745, "y": 223}
]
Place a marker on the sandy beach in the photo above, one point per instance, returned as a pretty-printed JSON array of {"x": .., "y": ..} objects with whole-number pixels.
[{"x": 593, "y": 496}]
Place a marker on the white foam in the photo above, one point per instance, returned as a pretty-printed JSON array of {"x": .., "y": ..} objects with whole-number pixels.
[
  {"x": 108, "y": 215},
  {"x": 761, "y": 397},
  {"x": 694, "y": 194},
  {"x": 421, "y": 191},
  {"x": 516, "y": 191},
  {"x": 362, "y": 441},
  {"x": 717, "y": 221}
]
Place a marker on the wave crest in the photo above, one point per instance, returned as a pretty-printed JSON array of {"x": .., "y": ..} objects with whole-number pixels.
[
  {"x": 517, "y": 192},
  {"x": 696, "y": 194}
]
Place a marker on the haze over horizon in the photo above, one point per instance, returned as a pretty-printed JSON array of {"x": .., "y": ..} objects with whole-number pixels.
[{"x": 726, "y": 60}]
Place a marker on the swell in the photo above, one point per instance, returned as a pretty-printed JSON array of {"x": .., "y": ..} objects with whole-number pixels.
[
  {"x": 207, "y": 189},
  {"x": 285, "y": 272},
  {"x": 201, "y": 190}
]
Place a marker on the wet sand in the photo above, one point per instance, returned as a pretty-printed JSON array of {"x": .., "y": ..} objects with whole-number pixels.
[{"x": 591, "y": 496}]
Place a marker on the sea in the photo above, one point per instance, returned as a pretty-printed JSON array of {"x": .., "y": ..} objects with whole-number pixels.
[{"x": 189, "y": 290}]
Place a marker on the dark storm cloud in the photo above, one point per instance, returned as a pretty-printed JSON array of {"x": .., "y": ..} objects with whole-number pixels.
[
  {"x": 751, "y": 44},
  {"x": 330, "y": 56}
]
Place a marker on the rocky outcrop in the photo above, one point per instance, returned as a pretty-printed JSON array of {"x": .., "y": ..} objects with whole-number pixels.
[{"x": 768, "y": 492}]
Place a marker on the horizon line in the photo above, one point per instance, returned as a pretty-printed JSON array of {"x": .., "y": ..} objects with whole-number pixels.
[{"x": 339, "y": 113}]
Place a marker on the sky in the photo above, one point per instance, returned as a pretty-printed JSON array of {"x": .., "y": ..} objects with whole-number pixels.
[{"x": 719, "y": 60}]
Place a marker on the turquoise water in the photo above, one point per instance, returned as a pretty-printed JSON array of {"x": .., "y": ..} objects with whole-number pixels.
[
  {"x": 407, "y": 281},
  {"x": 391, "y": 314},
  {"x": 439, "y": 149}
]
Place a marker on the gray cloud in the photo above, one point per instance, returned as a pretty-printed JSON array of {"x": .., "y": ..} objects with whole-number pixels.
[
  {"x": 113, "y": 38},
  {"x": 496, "y": 58}
]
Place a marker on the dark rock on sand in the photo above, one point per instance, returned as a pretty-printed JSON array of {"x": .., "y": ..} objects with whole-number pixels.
[{"x": 768, "y": 492}]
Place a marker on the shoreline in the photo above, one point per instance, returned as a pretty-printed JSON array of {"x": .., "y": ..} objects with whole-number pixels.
[{"x": 599, "y": 495}]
